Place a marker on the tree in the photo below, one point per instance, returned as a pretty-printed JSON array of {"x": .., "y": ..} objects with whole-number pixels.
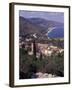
[{"x": 34, "y": 50}]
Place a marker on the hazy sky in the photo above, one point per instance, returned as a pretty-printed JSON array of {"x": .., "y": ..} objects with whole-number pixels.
[{"x": 54, "y": 16}]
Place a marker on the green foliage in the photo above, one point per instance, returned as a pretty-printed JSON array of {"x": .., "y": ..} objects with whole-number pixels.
[{"x": 49, "y": 64}]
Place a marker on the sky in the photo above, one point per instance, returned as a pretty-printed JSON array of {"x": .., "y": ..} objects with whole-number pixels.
[{"x": 54, "y": 16}]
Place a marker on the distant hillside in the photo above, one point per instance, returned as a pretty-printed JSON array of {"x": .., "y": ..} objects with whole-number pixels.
[
  {"x": 26, "y": 27},
  {"x": 45, "y": 23},
  {"x": 40, "y": 27}
]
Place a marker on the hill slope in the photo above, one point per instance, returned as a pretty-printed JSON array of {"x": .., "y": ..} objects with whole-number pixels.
[{"x": 40, "y": 27}]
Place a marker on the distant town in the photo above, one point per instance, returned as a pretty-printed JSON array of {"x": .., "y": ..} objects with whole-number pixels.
[{"x": 46, "y": 49}]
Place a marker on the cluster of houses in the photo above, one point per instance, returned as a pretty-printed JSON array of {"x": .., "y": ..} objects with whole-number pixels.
[{"x": 41, "y": 49}]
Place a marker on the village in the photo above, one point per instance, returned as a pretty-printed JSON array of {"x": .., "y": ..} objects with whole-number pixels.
[{"x": 43, "y": 49}]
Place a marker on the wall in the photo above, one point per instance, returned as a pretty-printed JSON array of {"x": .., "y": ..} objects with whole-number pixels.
[{"x": 4, "y": 44}]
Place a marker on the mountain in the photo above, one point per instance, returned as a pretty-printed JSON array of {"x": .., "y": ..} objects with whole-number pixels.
[
  {"x": 45, "y": 23},
  {"x": 26, "y": 27},
  {"x": 40, "y": 28}
]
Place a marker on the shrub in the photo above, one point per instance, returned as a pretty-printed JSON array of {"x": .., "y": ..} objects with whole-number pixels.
[{"x": 30, "y": 64}]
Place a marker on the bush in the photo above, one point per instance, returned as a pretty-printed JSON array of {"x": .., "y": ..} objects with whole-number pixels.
[{"x": 30, "y": 64}]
